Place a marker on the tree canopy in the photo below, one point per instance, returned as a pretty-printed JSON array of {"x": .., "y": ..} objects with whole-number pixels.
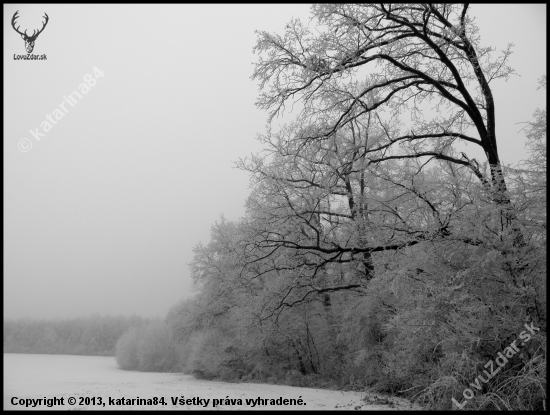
[{"x": 377, "y": 250}]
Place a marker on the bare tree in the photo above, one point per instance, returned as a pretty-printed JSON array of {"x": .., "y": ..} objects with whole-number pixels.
[{"x": 424, "y": 60}]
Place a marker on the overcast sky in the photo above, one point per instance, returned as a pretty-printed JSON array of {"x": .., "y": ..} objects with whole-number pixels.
[{"x": 102, "y": 213}]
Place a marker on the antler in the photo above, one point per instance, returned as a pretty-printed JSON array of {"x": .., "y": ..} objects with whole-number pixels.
[
  {"x": 15, "y": 16},
  {"x": 34, "y": 35},
  {"x": 43, "y": 24}
]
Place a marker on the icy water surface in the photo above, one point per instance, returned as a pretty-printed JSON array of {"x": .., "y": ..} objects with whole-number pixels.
[{"x": 89, "y": 378}]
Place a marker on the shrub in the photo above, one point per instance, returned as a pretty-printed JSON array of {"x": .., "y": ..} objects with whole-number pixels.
[
  {"x": 126, "y": 350},
  {"x": 150, "y": 348}
]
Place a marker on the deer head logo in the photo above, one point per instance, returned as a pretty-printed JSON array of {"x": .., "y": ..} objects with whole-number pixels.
[{"x": 29, "y": 40}]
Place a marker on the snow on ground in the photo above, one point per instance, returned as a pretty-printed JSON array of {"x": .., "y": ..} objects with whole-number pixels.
[{"x": 80, "y": 377}]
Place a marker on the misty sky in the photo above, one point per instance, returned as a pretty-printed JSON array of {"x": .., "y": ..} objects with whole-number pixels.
[{"x": 102, "y": 213}]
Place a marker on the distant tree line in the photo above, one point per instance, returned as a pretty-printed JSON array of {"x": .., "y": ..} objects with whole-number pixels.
[{"x": 92, "y": 336}]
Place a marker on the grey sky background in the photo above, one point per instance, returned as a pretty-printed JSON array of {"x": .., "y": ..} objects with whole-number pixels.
[{"x": 102, "y": 214}]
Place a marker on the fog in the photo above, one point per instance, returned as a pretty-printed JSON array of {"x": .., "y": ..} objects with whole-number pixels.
[{"x": 102, "y": 212}]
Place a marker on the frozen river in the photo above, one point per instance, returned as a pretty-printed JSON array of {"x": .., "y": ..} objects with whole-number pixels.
[{"x": 97, "y": 383}]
